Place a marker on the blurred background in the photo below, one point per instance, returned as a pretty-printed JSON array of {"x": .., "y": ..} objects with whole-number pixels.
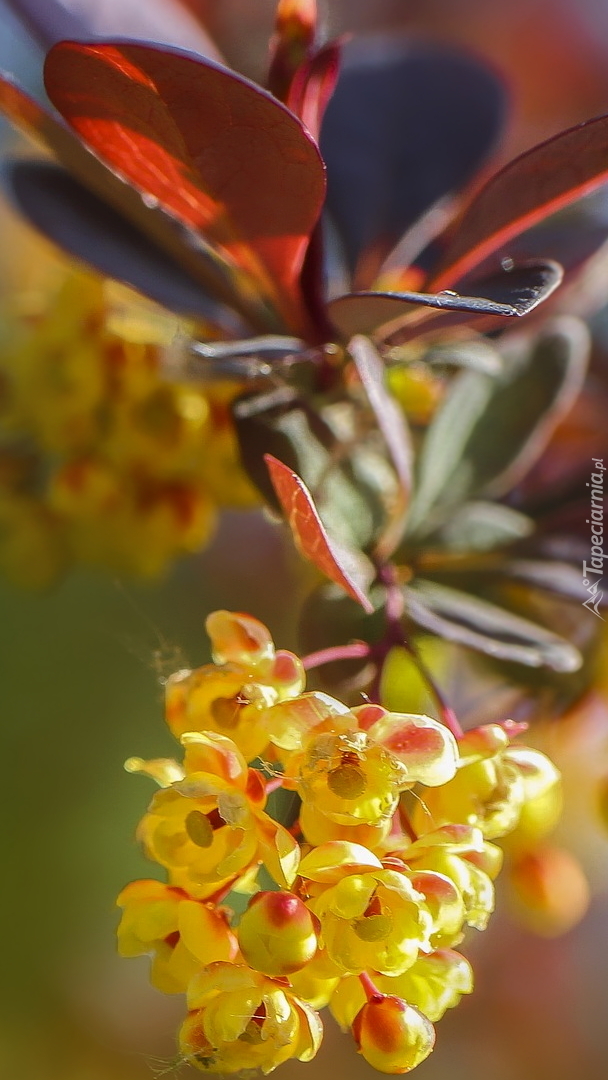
[{"x": 81, "y": 667}]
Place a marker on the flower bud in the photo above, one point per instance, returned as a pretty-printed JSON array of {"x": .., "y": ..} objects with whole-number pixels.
[
  {"x": 277, "y": 934},
  {"x": 549, "y": 891},
  {"x": 392, "y": 1036}
]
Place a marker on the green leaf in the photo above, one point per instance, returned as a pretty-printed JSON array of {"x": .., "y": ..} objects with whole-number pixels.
[
  {"x": 393, "y": 427},
  {"x": 460, "y": 617},
  {"x": 490, "y": 430},
  {"x": 479, "y": 355},
  {"x": 482, "y": 526},
  {"x": 350, "y": 479},
  {"x": 551, "y": 575}
]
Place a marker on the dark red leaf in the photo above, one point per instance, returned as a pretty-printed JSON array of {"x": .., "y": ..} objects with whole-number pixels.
[
  {"x": 346, "y": 567},
  {"x": 71, "y": 216},
  {"x": 534, "y": 185},
  {"x": 196, "y": 257},
  {"x": 509, "y": 293},
  {"x": 407, "y": 125},
  {"x": 206, "y": 145},
  {"x": 313, "y": 85}
]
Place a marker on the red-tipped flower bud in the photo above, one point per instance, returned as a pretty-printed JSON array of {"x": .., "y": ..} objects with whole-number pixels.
[
  {"x": 277, "y": 934},
  {"x": 392, "y": 1036}
]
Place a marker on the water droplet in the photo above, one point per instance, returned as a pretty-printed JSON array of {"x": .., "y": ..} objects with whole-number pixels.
[
  {"x": 507, "y": 263},
  {"x": 447, "y": 292},
  {"x": 150, "y": 201}
]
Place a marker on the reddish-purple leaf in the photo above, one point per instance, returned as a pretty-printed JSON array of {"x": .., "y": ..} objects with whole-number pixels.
[
  {"x": 166, "y": 21},
  {"x": 534, "y": 185},
  {"x": 73, "y": 217},
  {"x": 408, "y": 124},
  {"x": 312, "y": 87},
  {"x": 293, "y": 40},
  {"x": 508, "y": 293},
  {"x": 346, "y": 567},
  {"x": 206, "y": 145},
  {"x": 200, "y": 260}
]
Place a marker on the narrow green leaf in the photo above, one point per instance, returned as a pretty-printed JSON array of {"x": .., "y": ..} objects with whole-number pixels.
[
  {"x": 482, "y": 526},
  {"x": 490, "y": 430},
  {"x": 460, "y": 617}
]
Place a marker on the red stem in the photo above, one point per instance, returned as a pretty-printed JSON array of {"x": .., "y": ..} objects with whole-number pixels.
[
  {"x": 371, "y": 990},
  {"x": 357, "y": 650}
]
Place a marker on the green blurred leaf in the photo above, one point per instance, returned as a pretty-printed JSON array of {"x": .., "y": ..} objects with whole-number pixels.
[
  {"x": 479, "y": 355},
  {"x": 352, "y": 482},
  {"x": 482, "y": 526},
  {"x": 466, "y": 619},
  {"x": 394, "y": 429},
  {"x": 489, "y": 430},
  {"x": 556, "y": 577},
  {"x": 403, "y": 687}
]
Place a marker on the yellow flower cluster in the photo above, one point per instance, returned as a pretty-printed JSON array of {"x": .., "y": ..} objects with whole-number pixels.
[
  {"x": 358, "y": 897},
  {"x": 103, "y": 460}
]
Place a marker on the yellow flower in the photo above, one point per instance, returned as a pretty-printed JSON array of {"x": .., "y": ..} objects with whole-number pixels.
[
  {"x": 292, "y": 724},
  {"x": 445, "y": 903},
  {"x": 460, "y": 853},
  {"x": 548, "y": 890},
  {"x": 350, "y": 779},
  {"x": 317, "y": 980},
  {"x": 352, "y": 766},
  {"x": 181, "y": 934},
  {"x": 371, "y": 918},
  {"x": 233, "y": 695},
  {"x": 242, "y": 1020},
  {"x": 425, "y": 747},
  {"x": 433, "y": 984},
  {"x": 209, "y": 827},
  {"x": 493, "y": 783},
  {"x": 126, "y": 465},
  {"x": 319, "y": 829}
]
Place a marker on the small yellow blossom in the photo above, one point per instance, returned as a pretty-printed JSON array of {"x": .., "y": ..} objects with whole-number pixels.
[
  {"x": 277, "y": 934},
  {"x": 209, "y": 827},
  {"x": 374, "y": 920},
  {"x": 491, "y": 787},
  {"x": 460, "y": 853},
  {"x": 181, "y": 934},
  {"x": 433, "y": 984},
  {"x": 240, "y": 1019},
  {"x": 233, "y": 695}
]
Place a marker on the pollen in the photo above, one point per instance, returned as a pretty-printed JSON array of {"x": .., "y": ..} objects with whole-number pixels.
[
  {"x": 225, "y": 711},
  {"x": 373, "y": 927},
  {"x": 347, "y": 781},
  {"x": 199, "y": 829}
]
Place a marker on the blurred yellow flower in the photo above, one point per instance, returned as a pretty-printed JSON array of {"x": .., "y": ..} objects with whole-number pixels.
[{"x": 105, "y": 459}]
